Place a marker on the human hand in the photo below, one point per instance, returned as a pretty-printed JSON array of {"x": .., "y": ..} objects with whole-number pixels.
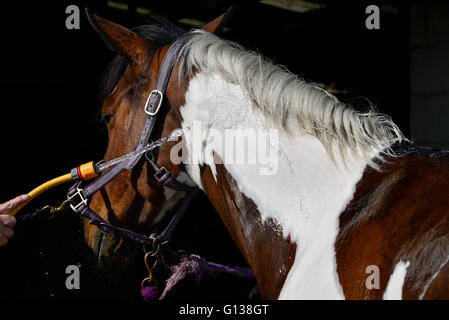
[{"x": 8, "y": 222}]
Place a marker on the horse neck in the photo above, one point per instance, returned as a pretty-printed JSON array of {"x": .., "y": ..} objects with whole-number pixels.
[{"x": 278, "y": 216}]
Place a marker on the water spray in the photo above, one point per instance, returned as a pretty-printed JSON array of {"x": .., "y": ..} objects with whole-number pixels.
[{"x": 90, "y": 170}]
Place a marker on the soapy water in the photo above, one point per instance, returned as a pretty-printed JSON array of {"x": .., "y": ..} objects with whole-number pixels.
[{"x": 150, "y": 146}]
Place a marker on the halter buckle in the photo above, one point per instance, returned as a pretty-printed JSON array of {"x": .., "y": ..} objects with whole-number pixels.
[
  {"x": 148, "y": 110},
  {"x": 160, "y": 173},
  {"x": 82, "y": 197}
]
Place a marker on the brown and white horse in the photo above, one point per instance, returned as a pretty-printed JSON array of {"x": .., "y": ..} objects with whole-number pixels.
[{"x": 335, "y": 205}]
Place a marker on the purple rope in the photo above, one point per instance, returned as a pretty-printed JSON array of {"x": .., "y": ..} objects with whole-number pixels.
[{"x": 195, "y": 265}]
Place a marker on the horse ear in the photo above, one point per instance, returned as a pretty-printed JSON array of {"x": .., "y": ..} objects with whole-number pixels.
[
  {"x": 119, "y": 38},
  {"x": 217, "y": 25}
]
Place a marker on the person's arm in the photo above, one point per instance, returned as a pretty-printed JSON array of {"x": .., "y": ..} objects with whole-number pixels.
[{"x": 8, "y": 222}]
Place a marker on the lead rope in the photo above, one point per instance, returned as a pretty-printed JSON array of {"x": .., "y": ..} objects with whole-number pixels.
[{"x": 189, "y": 264}]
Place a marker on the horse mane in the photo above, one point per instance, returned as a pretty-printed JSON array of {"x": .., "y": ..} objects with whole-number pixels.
[
  {"x": 158, "y": 30},
  {"x": 291, "y": 102}
]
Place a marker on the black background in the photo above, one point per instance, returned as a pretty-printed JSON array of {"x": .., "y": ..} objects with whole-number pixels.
[{"x": 49, "y": 105}]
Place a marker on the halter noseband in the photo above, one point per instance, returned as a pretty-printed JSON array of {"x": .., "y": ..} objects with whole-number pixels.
[{"x": 162, "y": 175}]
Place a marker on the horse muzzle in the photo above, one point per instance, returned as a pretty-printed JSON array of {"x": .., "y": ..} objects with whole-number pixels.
[{"x": 104, "y": 245}]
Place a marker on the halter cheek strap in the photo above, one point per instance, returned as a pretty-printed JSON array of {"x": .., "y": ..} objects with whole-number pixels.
[
  {"x": 152, "y": 107},
  {"x": 154, "y": 100}
]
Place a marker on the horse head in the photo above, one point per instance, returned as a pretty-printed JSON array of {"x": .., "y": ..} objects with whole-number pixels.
[{"x": 134, "y": 199}]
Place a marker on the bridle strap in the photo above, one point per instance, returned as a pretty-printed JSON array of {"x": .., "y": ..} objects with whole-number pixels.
[
  {"x": 152, "y": 107},
  {"x": 154, "y": 100},
  {"x": 169, "y": 181}
]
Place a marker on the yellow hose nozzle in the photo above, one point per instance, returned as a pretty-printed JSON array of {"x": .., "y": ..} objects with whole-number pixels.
[{"x": 84, "y": 172}]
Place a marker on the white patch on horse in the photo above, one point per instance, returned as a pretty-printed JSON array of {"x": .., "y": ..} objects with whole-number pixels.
[
  {"x": 324, "y": 147},
  {"x": 305, "y": 196},
  {"x": 393, "y": 291}
]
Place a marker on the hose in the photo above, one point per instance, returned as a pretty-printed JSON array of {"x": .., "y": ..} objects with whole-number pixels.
[{"x": 84, "y": 172}]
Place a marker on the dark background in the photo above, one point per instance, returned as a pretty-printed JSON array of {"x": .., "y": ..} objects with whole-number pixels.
[{"x": 49, "y": 97}]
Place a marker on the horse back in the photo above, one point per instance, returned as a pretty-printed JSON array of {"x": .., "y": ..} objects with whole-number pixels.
[{"x": 398, "y": 214}]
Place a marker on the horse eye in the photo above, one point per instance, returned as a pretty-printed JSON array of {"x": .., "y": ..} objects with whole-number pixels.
[{"x": 106, "y": 118}]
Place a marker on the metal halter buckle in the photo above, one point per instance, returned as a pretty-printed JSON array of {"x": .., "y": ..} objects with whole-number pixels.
[
  {"x": 82, "y": 197},
  {"x": 160, "y": 173},
  {"x": 147, "y": 110}
]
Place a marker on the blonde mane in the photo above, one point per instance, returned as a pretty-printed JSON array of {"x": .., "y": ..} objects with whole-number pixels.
[{"x": 289, "y": 101}]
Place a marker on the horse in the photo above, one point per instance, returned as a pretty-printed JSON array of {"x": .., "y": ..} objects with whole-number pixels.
[{"x": 347, "y": 208}]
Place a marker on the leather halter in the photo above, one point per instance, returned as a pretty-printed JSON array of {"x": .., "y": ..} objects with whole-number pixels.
[{"x": 152, "y": 107}]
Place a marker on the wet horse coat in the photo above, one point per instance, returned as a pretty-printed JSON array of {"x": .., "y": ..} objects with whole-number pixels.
[
  {"x": 329, "y": 210},
  {"x": 398, "y": 216},
  {"x": 358, "y": 218}
]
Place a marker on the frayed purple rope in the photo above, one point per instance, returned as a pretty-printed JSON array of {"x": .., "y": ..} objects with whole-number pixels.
[{"x": 197, "y": 266}]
